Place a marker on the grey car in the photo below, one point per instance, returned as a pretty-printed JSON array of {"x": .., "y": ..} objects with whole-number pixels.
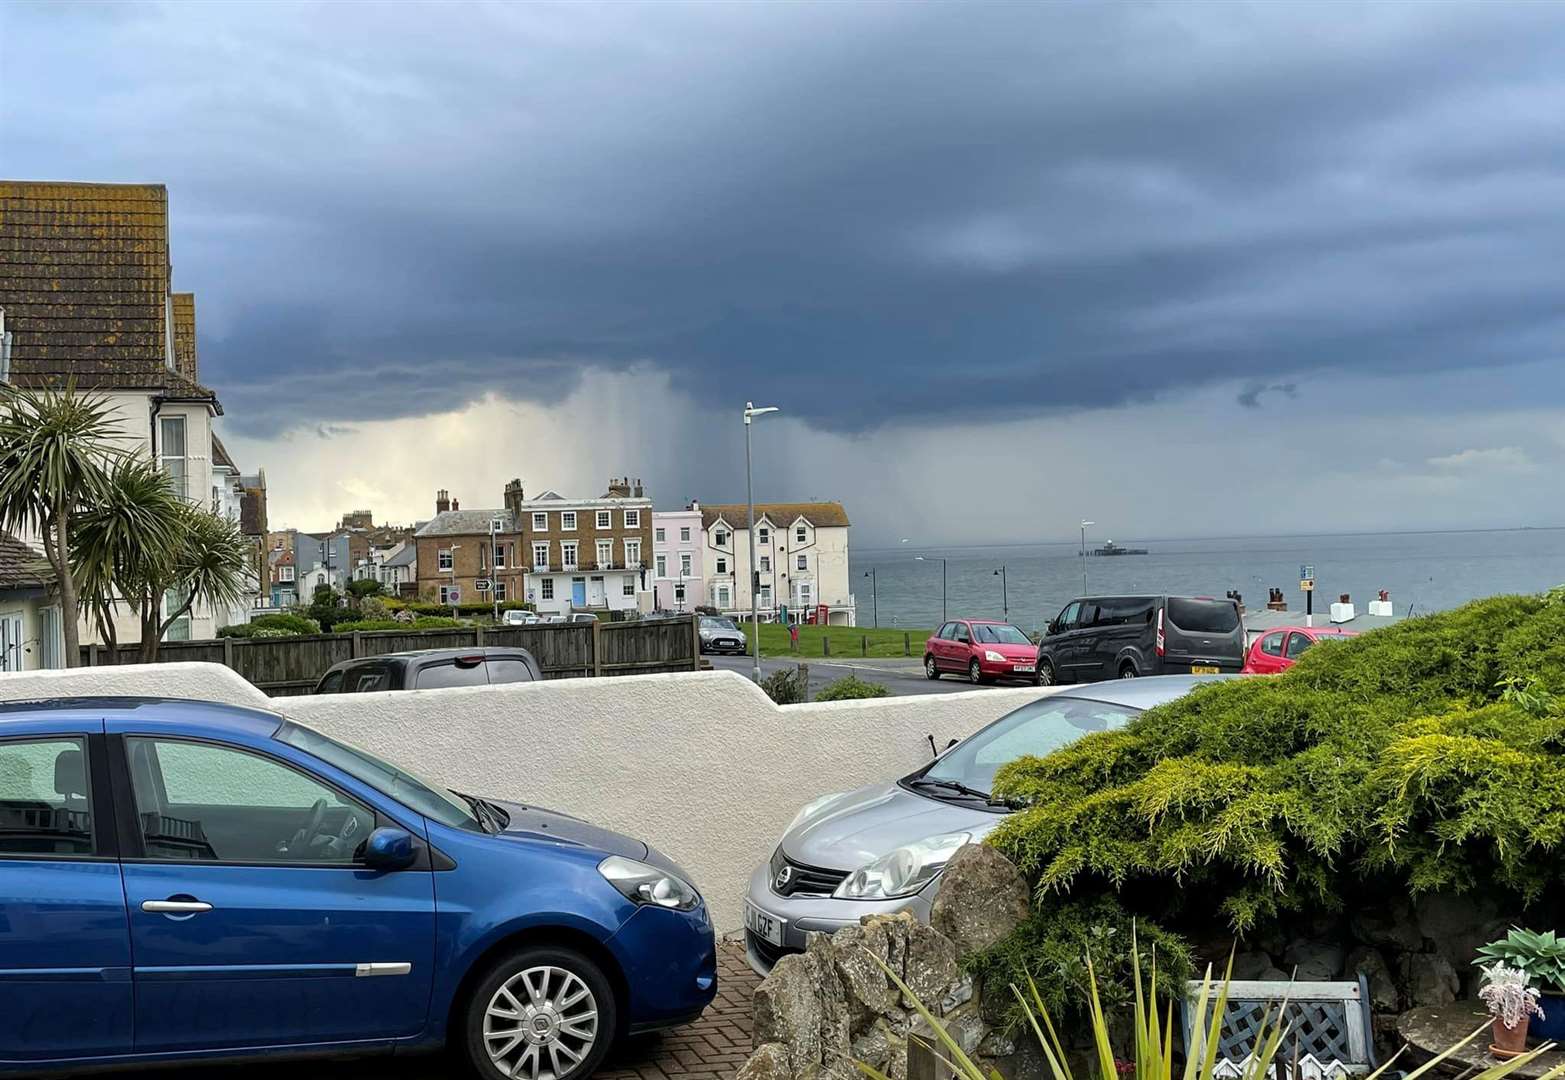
[
  {"x": 720, "y": 634},
  {"x": 881, "y": 849}
]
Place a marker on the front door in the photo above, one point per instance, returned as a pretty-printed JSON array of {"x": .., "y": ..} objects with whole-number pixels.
[
  {"x": 596, "y": 597},
  {"x": 251, "y": 923},
  {"x": 65, "y": 988},
  {"x": 578, "y": 592},
  {"x": 10, "y": 641}
]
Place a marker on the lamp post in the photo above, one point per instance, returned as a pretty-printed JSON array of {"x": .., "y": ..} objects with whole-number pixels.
[
  {"x": 1084, "y": 525},
  {"x": 1005, "y": 602},
  {"x": 921, "y": 558},
  {"x": 750, "y": 413},
  {"x": 494, "y": 565},
  {"x": 874, "y": 597}
]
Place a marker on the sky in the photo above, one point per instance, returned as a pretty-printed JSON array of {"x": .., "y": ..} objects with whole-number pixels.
[{"x": 1184, "y": 269}]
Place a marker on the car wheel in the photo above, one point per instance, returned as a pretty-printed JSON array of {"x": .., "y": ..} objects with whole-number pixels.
[
  {"x": 1045, "y": 675},
  {"x": 931, "y": 671},
  {"x": 975, "y": 674},
  {"x": 1128, "y": 671},
  {"x": 541, "y": 1012}
]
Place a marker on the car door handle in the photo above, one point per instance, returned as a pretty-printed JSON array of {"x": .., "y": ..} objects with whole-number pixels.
[{"x": 175, "y": 907}]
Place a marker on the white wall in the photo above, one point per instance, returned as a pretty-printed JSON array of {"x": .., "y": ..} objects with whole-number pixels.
[{"x": 702, "y": 765}]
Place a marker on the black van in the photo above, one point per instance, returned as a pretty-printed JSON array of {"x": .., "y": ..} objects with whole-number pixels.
[
  {"x": 430, "y": 669},
  {"x": 1121, "y": 637}
]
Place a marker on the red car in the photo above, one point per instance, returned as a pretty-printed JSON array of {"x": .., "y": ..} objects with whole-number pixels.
[
  {"x": 1276, "y": 650},
  {"x": 980, "y": 649}
]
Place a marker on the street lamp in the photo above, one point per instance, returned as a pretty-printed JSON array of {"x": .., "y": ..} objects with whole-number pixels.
[
  {"x": 874, "y": 597},
  {"x": 1084, "y": 525},
  {"x": 921, "y": 558},
  {"x": 750, "y": 413},
  {"x": 1005, "y": 602}
]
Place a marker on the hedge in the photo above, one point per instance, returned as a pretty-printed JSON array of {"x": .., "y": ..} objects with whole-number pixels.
[{"x": 276, "y": 624}]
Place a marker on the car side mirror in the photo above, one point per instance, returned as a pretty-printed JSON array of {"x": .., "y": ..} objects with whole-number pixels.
[{"x": 390, "y": 849}]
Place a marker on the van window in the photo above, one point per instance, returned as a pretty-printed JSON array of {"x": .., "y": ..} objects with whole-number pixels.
[
  {"x": 1125, "y": 610},
  {"x": 508, "y": 670},
  {"x": 1203, "y": 616},
  {"x": 439, "y": 676},
  {"x": 1068, "y": 616},
  {"x": 1088, "y": 616},
  {"x": 331, "y": 684},
  {"x": 368, "y": 679}
]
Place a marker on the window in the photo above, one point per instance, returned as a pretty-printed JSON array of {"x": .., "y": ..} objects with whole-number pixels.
[
  {"x": 540, "y": 522},
  {"x": 766, "y": 564},
  {"x": 450, "y": 673},
  {"x": 285, "y": 573},
  {"x": 171, "y": 452},
  {"x": 684, "y": 534},
  {"x": 605, "y": 553},
  {"x": 568, "y": 554},
  {"x": 1067, "y": 618},
  {"x": 722, "y": 565},
  {"x": 1297, "y": 643},
  {"x": 546, "y": 589},
  {"x": 723, "y": 596},
  {"x": 443, "y": 559},
  {"x": 632, "y": 519},
  {"x": 801, "y": 534},
  {"x": 1271, "y": 644},
  {"x": 497, "y": 591},
  {"x": 198, "y": 802},
  {"x": 567, "y": 521},
  {"x": 605, "y": 519},
  {"x": 483, "y": 557},
  {"x": 662, "y": 566},
  {"x": 659, "y": 535},
  {"x": 804, "y": 562},
  {"x": 684, "y": 564},
  {"x": 1203, "y": 616},
  {"x": 450, "y": 594},
  {"x": 179, "y": 629},
  {"x": 44, "y": 807},
  {"x": 541, "y": 556},
  {"x": 389, "y": 780},
  {"x": 506, "y": 670},
  {"x": 679, "y": 593},
  {"x": 628, "y": 586},
  {"x": 1033, "y": 729},
  {"x": 766, "y": 596},
  {"x": 720, "y": 538},
  {"x": 632, "y": 554},
  {"x": 500, "y": 557},
  {"x": 763, "y": 535},
  {"x": 1000, "y": 634},
  {"x": 962, "y": 634}
]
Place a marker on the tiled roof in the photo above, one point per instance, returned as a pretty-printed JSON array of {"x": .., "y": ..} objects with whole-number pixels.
[
  {"x": 466, "y": 523},
  {"x": 220, "y": 454},
  {"x": 20, "y": 566},
  {"x": 185, "y": 335},
  {"x": 84, "y": 278},
  {"x": 823, "y": 515},
  {"x": 408, "y": 556}
]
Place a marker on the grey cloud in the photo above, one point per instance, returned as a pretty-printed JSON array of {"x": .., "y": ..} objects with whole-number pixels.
[{"x": 1250, "y": 396}]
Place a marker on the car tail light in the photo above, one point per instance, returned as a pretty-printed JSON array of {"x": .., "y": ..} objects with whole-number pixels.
[
  {"x": 1160, "y": 631},
  {"x": 469, "y": 661}
]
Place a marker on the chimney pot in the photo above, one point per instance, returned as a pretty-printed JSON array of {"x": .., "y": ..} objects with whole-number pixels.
[{"x": 442, "y": 501}]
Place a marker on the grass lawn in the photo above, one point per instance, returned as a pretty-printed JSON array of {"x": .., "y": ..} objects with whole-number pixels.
[{"x": 845, "y": 640}]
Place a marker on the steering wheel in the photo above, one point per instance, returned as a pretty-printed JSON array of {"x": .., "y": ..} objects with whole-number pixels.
[{"x": 312, "y": 828}]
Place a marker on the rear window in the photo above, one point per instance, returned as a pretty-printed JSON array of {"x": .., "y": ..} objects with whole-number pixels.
[
  {"x": 438, "y": 676},
  {"x": 1203, "y": 616},
  {"x": 367, "y": 680},
  {"x": 331, "y": 684},
  {"x": 508, "y": 670}
]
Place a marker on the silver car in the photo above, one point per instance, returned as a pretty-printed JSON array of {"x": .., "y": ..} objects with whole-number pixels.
[
  {"x": 881, "y": 849},
  {"x": 720, "y": 634}
]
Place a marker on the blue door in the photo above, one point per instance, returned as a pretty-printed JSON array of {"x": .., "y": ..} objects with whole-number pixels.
[
  {"x": 250, "y": 922},
  {"x": 578, "y": 593},
  {"x": 65, "y": 988}
]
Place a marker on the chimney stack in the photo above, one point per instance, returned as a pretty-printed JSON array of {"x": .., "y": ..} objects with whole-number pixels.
[
  {"x": 455, "y": 505},
  {"x": 638, "y": 491},
  {"x": 513, "y": 499},
  {"x": 1275, "y": 600},
  {"x": 619, "y": 488},
  {"x": 442, "y": 501}
]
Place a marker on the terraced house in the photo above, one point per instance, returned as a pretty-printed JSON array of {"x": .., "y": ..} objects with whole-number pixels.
[
  {"x": 801, "y": 554},
  {"x": 86, "y": 297},
  {"x": 588, "y": 554}
]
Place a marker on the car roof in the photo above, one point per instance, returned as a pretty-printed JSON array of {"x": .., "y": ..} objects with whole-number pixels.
[
  {"x": 488, "y": 652},
  {"x": 236, "y": 719},
  {"x": 1328, "y": 630},
  {"x": 1141, "y": 693}
]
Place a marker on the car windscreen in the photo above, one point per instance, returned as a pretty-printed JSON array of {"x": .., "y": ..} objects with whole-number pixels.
[
  {"x": 1037, "y": 729},
  {"x": 1203, "y": 616},
  {"x": 718, "y": 624},
  {"x": 428, "y": 799},
  {"x": 993, "y": 634}
]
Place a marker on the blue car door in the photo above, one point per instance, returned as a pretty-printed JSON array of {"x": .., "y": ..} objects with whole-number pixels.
[
  {"x": 251, "y": 923},
  {"x": 65, "y": 989}
]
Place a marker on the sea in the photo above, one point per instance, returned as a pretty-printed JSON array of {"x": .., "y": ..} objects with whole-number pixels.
[{"x": 1030, "y": 583}]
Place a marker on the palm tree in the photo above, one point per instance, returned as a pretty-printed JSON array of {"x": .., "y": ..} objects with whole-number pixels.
[{"x": 55, "y": 446}]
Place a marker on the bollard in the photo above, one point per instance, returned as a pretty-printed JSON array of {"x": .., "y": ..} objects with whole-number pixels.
[
  {"x": 863, "y": 644},
  {"x": 825, "y": 646},
  {"x": 907, "y": 643}
]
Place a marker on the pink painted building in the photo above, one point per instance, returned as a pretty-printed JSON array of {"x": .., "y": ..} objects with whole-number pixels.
[{"x": 678, "y": 577}]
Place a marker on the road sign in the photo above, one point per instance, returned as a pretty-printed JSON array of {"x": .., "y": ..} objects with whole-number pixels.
[
  {"x": 1307, "y": 572},
  {"x": 454, "y": 595},
  {"x": 482, "y": 584},
  {"x": 1307, "y": 584}
]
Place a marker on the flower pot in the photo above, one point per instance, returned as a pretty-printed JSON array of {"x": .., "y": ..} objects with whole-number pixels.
[
  {"x": 1509, "y": 1041},
  {"x": 1550, "y": 1027}
]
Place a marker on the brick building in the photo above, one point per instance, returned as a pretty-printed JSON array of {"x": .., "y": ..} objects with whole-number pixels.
[
  {"x": 457, "y": 548},
  {"x": 588, "y": 554}
]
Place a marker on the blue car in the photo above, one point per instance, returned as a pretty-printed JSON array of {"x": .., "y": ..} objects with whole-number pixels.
[{"x": 185, "y": 881}]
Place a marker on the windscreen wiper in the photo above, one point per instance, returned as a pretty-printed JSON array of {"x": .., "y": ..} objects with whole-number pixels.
[
  {"x": 481, "y": 810},
  {"x": 949, "y": 785}
]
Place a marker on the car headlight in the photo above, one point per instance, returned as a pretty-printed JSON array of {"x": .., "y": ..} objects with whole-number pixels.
[
  {"x": 902, "y": 872},
  {"x": 993, "y": 657},
  {"x": 643, "y": 884},
  {"x": 810, "y": 808}
]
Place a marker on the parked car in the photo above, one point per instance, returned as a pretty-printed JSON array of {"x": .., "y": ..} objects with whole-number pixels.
[
  {"x": 201, "y": 881},
  {"x": 720, "y": 634},
  {"x": 1123, "y": 637},
  {"x": 1276, "y": 650},
  {"x": 881, "y": 849},
  {"x": 980, "y": 649},
  {"x": 520, "y": 617},
  {"x": 430, "y": 669}
]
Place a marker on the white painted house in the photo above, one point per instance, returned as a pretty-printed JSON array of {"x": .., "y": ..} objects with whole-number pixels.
[{"x": 801, "y": 561}]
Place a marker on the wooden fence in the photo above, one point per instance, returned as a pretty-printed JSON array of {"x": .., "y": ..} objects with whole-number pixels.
[{"x": 286, "y": 666}]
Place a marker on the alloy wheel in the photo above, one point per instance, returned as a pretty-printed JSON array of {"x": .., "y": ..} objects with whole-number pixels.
[
  {"x": 930, "y": 670},
  {"x": 1045, "y": 673},
  {"x": 1127, "y": 672},
  {"x": 540, "y": 1024},
  {"x": 975, "y": 674}
]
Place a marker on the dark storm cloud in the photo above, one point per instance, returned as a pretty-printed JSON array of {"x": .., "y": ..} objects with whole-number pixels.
[
  {"x": 874, "y": 212},
  {"x": 1250, "y": 396}
]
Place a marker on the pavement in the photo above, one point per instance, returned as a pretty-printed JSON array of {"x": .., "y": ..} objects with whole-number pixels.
[
  {"x": 903, "y": 676},
  {"x": 713, "y": 1047}
]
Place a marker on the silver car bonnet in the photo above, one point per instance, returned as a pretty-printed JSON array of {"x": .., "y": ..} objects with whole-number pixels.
[{"x": 858, "y": 827}]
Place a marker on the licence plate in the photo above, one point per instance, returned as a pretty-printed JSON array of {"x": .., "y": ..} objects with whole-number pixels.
[
  {"x": 1203, "y": 669},
  {"x": 763, "y": 925},
  {"x": 1029, "y": 668}
]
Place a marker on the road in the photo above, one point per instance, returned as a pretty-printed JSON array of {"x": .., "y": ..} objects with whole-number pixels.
[{"x": 903, "y": 677}]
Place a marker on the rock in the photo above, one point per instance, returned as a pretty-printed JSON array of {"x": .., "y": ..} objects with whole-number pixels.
[
  {"x": 1274, "y": 974},
  {"x": 1250, "y": 965},
  {"x": 1391, "y": 928},
  {"x": 787, "y": 1010},
  {"x": 931, "y": 970},
  {"x": 1313, "y": 960},
  {"x": 1459, "y": 925},
  {"x": 768, "y": 1062},
  {"x": 1383, "y": 995},
  {"x": 1430, "y": 979},
  {"x": 982, "y": 898}
]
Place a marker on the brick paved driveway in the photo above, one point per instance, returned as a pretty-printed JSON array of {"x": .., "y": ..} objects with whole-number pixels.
[{"x": 713, "y": 1047}]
